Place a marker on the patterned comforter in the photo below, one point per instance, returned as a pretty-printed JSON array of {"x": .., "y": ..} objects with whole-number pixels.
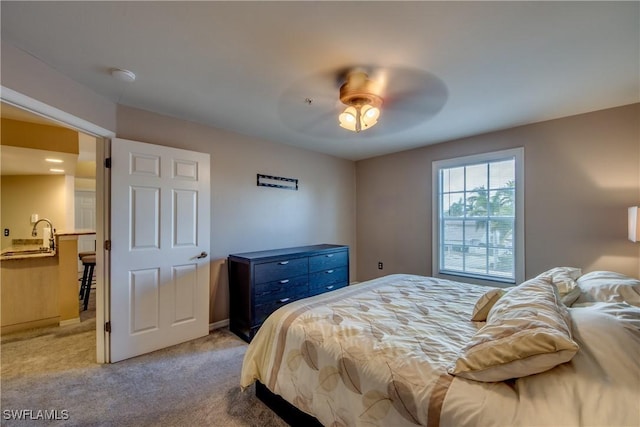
[
  {"x": 373, "y": 354},
  {"x": 377, "y": 353}
]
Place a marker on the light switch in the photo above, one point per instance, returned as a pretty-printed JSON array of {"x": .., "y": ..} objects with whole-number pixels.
[{"x": 34, "y": 218}]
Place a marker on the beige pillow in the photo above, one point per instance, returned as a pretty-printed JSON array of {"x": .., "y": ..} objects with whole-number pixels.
[
  {"x": 528, "y": 331},
  {"x": 564, "y": 278},
  {"x": 485, "y": 303}
]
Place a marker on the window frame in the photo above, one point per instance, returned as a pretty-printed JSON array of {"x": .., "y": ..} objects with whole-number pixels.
[{"x": 518, "y": 245}]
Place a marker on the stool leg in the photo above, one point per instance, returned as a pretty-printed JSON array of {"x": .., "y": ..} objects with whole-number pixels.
[
  {"x": 87, "y": 290},
  {"x": 84, "y": 280}
]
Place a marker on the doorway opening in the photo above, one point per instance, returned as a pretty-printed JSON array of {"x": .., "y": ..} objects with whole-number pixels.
[{"x": 90, "y": 183}]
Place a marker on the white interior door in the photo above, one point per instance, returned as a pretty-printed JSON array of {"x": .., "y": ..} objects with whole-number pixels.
[{"x": 159, "y": 245}]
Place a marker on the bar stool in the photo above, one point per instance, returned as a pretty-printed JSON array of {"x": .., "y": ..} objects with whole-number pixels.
[
  {"x": 80, "y": 256},
  {"x": 89, "y": 263},
  {"x": 84, "y": 254}
]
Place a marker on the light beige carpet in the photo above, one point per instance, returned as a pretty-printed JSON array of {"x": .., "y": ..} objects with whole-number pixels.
[{"x": 191, "y": 384}]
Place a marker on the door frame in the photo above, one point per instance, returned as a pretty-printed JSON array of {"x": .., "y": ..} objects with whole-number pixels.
[{"x": 103, "y": 150}]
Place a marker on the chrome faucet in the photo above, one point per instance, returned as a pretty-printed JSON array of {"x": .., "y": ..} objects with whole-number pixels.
[{"x": 34, "y": 232}]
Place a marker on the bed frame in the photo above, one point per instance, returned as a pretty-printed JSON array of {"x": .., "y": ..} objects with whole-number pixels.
[{"x": 285, "y": 410}]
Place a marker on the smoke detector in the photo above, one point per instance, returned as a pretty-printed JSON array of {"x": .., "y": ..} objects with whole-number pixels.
[{"x": 123, "y": 75}]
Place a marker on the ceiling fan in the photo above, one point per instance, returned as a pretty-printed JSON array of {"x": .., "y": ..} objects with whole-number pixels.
[
  {"x": 358, "y": 98},
  {"x": 362, "y": 96}
]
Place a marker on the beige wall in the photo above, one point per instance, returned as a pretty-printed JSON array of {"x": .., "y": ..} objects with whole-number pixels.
[
  {"x": 245, "y": 217},
  {"x": 23, "y": 195},
  {"x": 581, "y": 174},
  {"x": 39, "y": 137}
]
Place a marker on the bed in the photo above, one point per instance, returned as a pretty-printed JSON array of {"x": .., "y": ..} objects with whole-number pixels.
[{"x": 402, "y": 350}]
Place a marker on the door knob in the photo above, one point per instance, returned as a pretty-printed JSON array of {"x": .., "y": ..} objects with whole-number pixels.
[{"x": 203, "y": 254}]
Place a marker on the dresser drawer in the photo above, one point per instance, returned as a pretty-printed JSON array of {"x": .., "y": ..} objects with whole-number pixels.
[
  {"x": 320, "y": 279},
  {"x": 328, "y": 261},
  {"x": 262, "y": 311},
  {"x": 326, "y": 288},
  {"x": 265, "y": 292},
  {"x": 279, "y": 270}
]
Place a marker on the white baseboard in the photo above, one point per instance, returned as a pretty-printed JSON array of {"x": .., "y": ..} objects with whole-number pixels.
[
  {"x": 219, "y": 324},
  {"x": 70, "y": 321}
]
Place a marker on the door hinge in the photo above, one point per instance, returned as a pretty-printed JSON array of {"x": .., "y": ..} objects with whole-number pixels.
[
  {"x": 107, "y": 245},
  {"x": 107, "y": 162},
  {"x": 107, "y": 327}
]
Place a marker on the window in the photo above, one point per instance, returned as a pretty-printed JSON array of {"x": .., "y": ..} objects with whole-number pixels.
[{"x": 478, "y": 215}]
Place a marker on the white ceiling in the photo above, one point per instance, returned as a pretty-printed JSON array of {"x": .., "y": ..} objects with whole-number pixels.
[
  {"x": 15, "y": 160},
  {"x": 29, "y": 161},
  {"x": 247, "y": 66}
]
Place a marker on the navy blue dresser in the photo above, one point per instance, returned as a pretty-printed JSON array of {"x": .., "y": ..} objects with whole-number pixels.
[{"x": 261, "y": 282}]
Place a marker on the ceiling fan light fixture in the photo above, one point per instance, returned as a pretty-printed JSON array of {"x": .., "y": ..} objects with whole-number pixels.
[
  {"x": 363, "y": 102},
  {"x": 370, "y": 114},
  {"x": 348, "y": 118},
  {"x": 359, "y": 117}
]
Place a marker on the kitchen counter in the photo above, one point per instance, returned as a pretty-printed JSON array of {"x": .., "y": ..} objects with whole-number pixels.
[
  {"x": 25, "y": 252},
  {"x": 26, "y": 249},
  {"x": 40, "y": 289},
  {"x": 67, "y": 244},
  {"x": 75, "y": 233},
  {"x": 29, "y": 292}
]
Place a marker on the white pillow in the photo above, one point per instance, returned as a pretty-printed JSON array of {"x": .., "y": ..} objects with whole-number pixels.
[
  {"x": 564, "y": 278},
  {"x": 528, "y": 331},
  {"x": 608, "y": 286}
]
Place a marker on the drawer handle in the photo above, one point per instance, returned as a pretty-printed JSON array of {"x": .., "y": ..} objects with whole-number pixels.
[
  {"x": 329, "y": 255},
  {"x": 330, "y": 287},
  {"x": 329, "y": 271},
  {"x": 283, "y": 300},
  {"x": 283, "y": 262},
  {"x": 284, "y": 281}
]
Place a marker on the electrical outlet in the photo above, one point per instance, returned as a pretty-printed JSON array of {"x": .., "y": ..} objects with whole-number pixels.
[
  {"x": 6, "y": 232},
  {"x": 379, "y": 265}
]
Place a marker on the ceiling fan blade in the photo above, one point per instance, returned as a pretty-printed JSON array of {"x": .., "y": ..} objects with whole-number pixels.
[
  {"x": 312, "y": 122},
  {"x": 409, "y": 97},
  {"x": 308, "y": 103},
  {"x": 413, "y": 97}
]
